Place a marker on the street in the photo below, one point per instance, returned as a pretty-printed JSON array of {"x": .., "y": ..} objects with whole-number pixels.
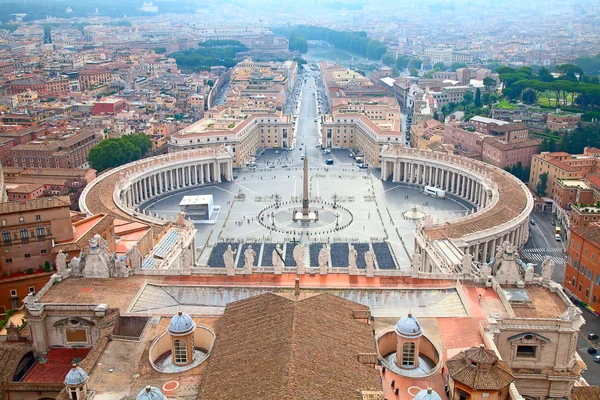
[{"x": 542, "y": 242}]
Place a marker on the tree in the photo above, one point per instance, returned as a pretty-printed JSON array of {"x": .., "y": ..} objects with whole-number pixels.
[
  {"x": 414, "y": 71},
  {"x": 114, "y": 152},
  {"x": 402, "y": 62},
  {"x": 478, "y": 98},
  {"x": 160, "y": 50},
  {"x": 388, "y": 59},
  {"x": 457, "y": 65},
  {"x": 467, "y": 98},
  {"x": 440, "y": 66},
  {"x": 210, "y": 83},
  {"x": 415, "y": 63},
  {"x": 298, "y": 43},
  {"x": 300, "y": 61},
  {"x": 542, "y": 185}
]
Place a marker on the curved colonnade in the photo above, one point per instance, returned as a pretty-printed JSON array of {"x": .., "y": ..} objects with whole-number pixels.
[
  {"x": 121, "y": 191},
  {"x": 503, "y": 204}
]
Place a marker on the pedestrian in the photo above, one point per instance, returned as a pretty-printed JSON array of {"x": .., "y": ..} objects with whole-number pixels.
[{"x": 480, "y": 297}]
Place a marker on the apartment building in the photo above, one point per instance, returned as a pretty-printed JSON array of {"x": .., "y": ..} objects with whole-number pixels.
[
  {"x": 68, "y": 151},
  {"x": 43, "y": 87},
  {"x": 29, "y": 229},
  {"x": 561, "y": 165},
  {"x": 582, "y": 271},
  {"x": 425, "y": 135},
  {"x": 89, "y": 78}
]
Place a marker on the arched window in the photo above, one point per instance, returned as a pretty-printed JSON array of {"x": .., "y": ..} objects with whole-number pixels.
[
  {"x": 41, "y": 231},
  {"x": 24, "y": 233},
  {"x": 180, "y": 351},
  {"x": 6, "y": 236},
  {"x": 408, "y": 354}
]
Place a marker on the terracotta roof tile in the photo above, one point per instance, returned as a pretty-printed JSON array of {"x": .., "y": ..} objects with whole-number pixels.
[{"x": 271, "y": 347}]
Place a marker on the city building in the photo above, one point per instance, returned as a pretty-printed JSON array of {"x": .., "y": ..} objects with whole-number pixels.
[
  {"x": 58, "y": 86},
  {"x": 505, "y": 154},
  {"x": 363, "y": 125},
  {"x": 561, "y": 165},
  {"x": 582, "y": 272},
  {"x": 68, "y": 151},
  {"x": 426, "y": 134}
]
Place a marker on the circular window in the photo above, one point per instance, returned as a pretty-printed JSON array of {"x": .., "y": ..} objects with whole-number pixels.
[{"x": 528, "y": 337}]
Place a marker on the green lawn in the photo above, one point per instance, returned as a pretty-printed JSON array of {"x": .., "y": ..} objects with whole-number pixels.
[
  {"x": 547, "y": 99},
  {"x": 505, "y": 105}
]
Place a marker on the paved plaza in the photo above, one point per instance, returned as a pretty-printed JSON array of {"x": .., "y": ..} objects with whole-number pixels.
[
  {"x": 376, "y": 208},
  {"x": 355, "y": 206}
]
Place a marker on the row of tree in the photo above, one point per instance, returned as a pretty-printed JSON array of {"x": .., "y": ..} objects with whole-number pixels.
[
  {"x": 210, "y": 53},
  {"x": 573, "y": 86},
  {"x": 114, "y": 152},
  {"x": 354, "y": 42}
]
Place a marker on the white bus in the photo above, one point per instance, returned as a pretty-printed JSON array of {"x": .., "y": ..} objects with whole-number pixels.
[{"x": 430, "y": 190}]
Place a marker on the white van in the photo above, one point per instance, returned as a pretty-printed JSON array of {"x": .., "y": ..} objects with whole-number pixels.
[{"x": 435, "y": 192}]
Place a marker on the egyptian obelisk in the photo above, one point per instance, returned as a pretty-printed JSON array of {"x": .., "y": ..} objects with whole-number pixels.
[{"x": 305, "y": 188}]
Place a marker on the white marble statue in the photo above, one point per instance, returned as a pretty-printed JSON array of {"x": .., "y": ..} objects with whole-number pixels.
[
  {"x": 61, "y": 262},
  {"x": 370, "y": 258},
  {"x": 135, "y": 258},
  {"x": 229, "y": 260},
  {"x": 323, "y": 259},
  {"x": 76, "y": 265},
  {"x": 352, "y": 257},
  {"x": 547, "y": 269},
  {"x": 298, "y": 255},
  {"x": 529, "y": 273},
  {"x": 249, "y": 255},
  {"x": 277, "y": 259},
  {"x": 467, "y": 262}
]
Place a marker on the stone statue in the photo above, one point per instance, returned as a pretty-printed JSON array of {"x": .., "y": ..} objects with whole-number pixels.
[
  {"x": 180, "y": 221},
  {"x": 467, "y": 262},
  {"x": 61, "y": 262},
  {"x": 98, "y": 260},
  {"x": 529, "y": 273},
  {"x": 76, "y": 265},
  {"x": 370, "y": 258},
  {"x": 229, "y": 260},
  {"x": 249, "y": 255},
  {"x": 186, "y": 258},
  {"x": 547, "y": 269},
  {"x": 95, "y": 241},
  {"x": 352, "y": 256},
  {"x": 323, "y": 259},
  {"x": 120, "y": 268},
  {"x": 135, "y": 258},
  {"x": 416, "y": 262},
  {"x": 298, "y": 254},
  {"x": 277, "y": 259}
]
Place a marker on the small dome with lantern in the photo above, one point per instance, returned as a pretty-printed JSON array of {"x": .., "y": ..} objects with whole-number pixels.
[
  {"x": 409, "y": 327},
  {"x": 181, "y": 324}
]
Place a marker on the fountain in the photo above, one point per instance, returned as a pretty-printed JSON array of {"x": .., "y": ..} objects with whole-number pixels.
[{"x": 414, "y": 214}]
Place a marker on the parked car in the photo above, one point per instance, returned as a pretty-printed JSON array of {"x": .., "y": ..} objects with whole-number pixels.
[
  {"x": 557, "y": 238},
  {"x": 592, "y": 350},
  {"x": 532, "y": 222},
  {"x": 271, "y": 166},
  {"x": 363, "y": 166},
  {"x": 597, "y": 359},
  {"x": 592, "y": 336}
]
